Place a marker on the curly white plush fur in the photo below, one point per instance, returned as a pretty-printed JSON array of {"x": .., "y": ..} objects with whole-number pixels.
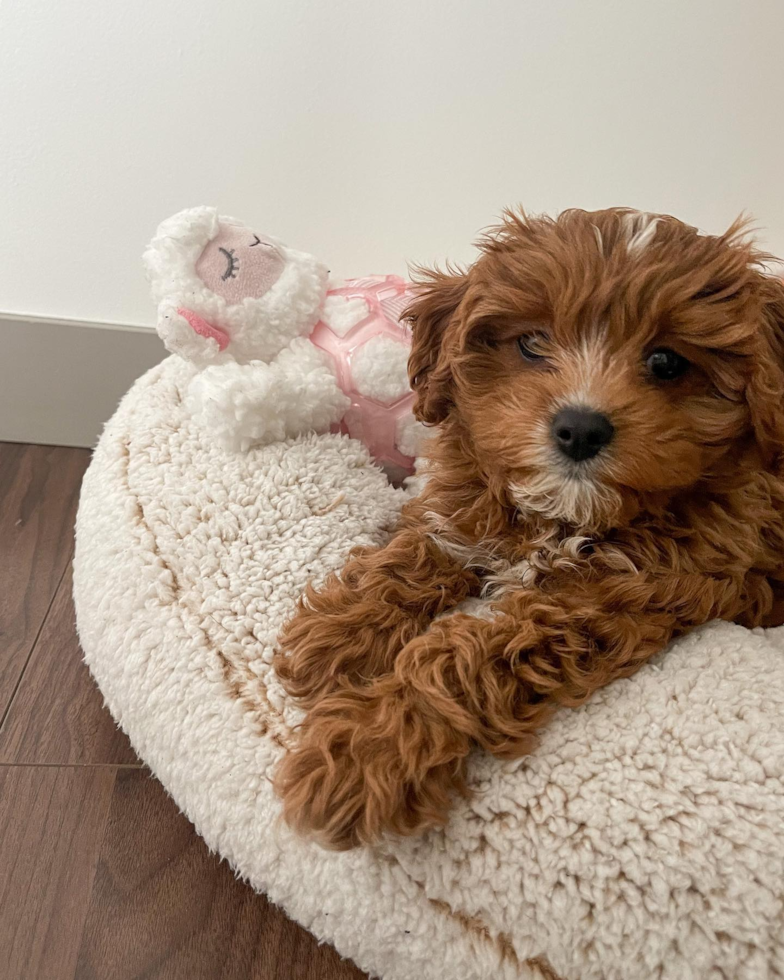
[{"x": 243, "y": 405}]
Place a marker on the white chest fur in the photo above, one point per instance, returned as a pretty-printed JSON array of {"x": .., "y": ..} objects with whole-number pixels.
[{"x": 553, "y": 549}]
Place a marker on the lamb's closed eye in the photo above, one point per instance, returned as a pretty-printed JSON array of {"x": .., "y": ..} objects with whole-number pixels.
[{"x": 232, "y": 264}]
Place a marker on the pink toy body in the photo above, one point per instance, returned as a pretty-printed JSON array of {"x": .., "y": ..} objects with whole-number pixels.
[{"x": 373, "y": 420}]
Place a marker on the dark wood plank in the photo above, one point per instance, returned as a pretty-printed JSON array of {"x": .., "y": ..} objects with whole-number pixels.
[
  {"x": 51, "y": 827},
  {"x": 39, "y": 491},
  {"x": 164, "y": 908},
  {"x": 58, "y": 715}
]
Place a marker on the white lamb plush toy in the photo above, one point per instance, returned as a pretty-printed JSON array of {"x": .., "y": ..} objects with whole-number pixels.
[{"x": 277, "y": 348}]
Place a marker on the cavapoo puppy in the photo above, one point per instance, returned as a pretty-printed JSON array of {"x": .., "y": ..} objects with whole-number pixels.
[{"x": 608, "y": 391}]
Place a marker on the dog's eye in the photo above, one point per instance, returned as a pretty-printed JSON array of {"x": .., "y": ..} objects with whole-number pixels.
[
  {"x": 666, "y": 365},
  {"x": 531, "y": 347}
]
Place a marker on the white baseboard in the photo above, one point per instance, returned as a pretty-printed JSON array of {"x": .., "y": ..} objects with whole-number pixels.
[{"x": 60, "y": 380}]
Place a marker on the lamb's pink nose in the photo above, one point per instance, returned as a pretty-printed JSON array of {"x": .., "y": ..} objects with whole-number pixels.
[{"x": 205, "y": 329}]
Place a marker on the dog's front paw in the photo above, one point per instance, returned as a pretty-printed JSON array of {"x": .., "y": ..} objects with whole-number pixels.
[
  {"x": 324, "y": 795},
  {"x": 358, "y": 774}
]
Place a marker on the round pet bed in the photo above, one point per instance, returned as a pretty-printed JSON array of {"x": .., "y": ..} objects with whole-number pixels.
[{"x": 643, "y": 839}]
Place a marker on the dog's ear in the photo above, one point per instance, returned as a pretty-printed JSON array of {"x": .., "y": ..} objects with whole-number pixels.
[
  {"x": 765, "y": 391},
  {"x": 438, "y": 296}
]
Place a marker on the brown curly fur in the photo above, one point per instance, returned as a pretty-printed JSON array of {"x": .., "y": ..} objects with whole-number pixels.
[{"x": 589, "y": 568}]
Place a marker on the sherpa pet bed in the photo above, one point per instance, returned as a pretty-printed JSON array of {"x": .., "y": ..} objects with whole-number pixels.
[{"x": 643, "y": 839}]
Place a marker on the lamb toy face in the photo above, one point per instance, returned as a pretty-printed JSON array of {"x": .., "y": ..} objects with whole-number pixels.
[
  {"x": 225, "y": 293},
  {"x": 230, "y": 267},
  {"x": 277, "y": 349}
]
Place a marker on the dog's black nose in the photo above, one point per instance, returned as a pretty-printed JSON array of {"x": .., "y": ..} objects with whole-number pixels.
[{"x": 580, "y": 432}]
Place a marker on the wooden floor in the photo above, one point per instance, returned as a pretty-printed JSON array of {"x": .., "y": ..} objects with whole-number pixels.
[{"x": 101, "y": 878}]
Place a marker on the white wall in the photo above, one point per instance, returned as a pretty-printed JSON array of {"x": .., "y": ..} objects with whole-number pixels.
[{"x": 367, "y": 132}]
